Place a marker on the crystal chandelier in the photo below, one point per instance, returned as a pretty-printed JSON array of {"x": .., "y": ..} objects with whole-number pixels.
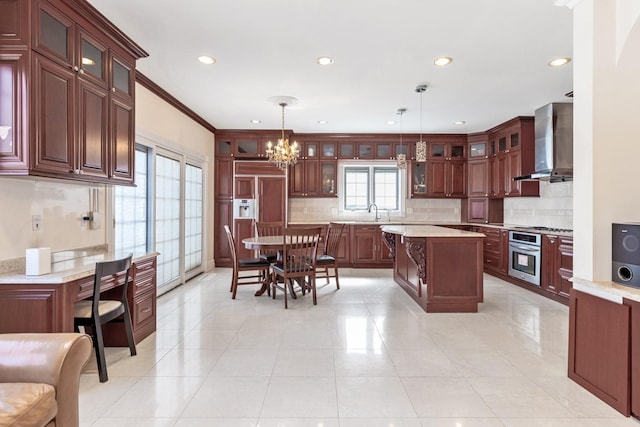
[
  {"x": 401, "y": 159},
  {"x": 283, "y": 154},
  {"x": 421, "y": 146}
]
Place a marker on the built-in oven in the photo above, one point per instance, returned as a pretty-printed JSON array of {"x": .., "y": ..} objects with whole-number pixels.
[{"x": 525, "y": 254}]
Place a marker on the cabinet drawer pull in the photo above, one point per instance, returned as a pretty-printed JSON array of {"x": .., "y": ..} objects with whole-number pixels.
[{"x": 145, "y": 310}]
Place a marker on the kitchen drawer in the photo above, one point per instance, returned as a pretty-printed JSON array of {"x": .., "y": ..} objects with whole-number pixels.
[
  {"x": 147, "y": 266},
  {"x": 85, "y": 285},
  {"x": 491, "y": 260},
  {"x": 144, "y": 308},
  {"x": 491, "y": 244},
  {"x": 143, "y": 284}
]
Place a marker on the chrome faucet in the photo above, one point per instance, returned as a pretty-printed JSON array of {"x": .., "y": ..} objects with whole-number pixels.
[{"x": 373, "y": 205}]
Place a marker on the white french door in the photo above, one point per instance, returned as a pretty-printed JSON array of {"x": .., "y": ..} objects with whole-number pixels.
[{"x": 167, "y": 222}]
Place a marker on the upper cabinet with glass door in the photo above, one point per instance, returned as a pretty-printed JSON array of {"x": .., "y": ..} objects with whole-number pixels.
[
  {"x": 447, "y": 150},
  {"x": 78, "y": 120}
]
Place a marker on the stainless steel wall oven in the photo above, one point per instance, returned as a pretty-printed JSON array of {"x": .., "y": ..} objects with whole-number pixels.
[{"x": 525, "y": 255}]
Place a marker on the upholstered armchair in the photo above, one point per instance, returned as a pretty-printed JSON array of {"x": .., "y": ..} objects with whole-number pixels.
[{"x": 39, "y": 378}]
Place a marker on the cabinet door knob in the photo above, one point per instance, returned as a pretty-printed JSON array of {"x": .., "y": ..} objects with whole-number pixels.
[{"x": 75, "y": 68}]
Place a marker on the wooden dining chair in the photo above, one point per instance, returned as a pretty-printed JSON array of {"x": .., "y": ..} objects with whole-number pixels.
[
  {"x": 269, "y": 229},
  {"x": 96, "y": 311},
  {"x": 298, "y": 264},
  {"x": 327, "y": 259},
  {"x": 258, "y": 266}
]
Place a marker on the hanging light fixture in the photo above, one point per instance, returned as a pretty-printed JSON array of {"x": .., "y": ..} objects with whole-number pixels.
[
  {"x": 402, "y": 157},
  {"x": 421, "y": 146},
  {"x": 283, "y": 154}
]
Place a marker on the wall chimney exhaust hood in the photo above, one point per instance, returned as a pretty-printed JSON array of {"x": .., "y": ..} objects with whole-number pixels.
[{"x": 554, "y": 143}]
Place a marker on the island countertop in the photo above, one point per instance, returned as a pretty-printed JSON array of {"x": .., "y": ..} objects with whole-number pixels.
[{"x": 427, "y": 231}]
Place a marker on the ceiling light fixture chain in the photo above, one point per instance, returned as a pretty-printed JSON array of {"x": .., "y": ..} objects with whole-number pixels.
[
  {"x": 283, "y": 154},
  {"x": 421, "y": 146}
]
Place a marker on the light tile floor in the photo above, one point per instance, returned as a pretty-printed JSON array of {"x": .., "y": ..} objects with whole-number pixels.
[{"x": 366, "y": 355}]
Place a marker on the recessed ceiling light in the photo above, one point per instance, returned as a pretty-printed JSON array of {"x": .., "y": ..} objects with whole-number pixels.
[
  {"x": 442, "y": 61},
  {"x": 207, "y": 59},
  {"x": 391, "y": 122},
  {"x": 324, "y": 60},
  {"x": 322, "y": 122},
  {"x": 256, "y": 121},
  {"x": 459, "y": 122},
  {"x": 559, "y": 62}
]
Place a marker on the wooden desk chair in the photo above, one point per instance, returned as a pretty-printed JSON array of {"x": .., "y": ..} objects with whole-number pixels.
[
  {"x": 259, "y": 266},
  {"x": 298, "y": 263},
  {"x": 269, "y": 229},
  {"x": 96, "y": 312},
  {"x": 327, "y": 260}
]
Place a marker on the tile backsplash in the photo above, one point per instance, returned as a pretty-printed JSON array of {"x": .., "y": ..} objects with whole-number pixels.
[{"x": 554, "y": 208}]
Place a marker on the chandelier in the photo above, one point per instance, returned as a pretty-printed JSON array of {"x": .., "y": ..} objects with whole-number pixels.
[
  {"x": 421, "y": 146},
  {"x": 283, "y": 154},
  {"x": 401, "y": 158}
]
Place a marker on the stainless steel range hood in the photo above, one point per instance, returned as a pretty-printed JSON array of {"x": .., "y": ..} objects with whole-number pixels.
[{"x": 554, "y": 143}]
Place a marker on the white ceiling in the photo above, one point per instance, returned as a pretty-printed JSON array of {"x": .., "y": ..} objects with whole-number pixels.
[{"x": 382, "y": 51}]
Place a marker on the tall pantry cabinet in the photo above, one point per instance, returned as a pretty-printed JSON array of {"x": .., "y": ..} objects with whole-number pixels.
[{"x": 67, "y": 104}]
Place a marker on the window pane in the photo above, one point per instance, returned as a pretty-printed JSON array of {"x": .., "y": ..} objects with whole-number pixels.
[
  {"x": 131, "y": 210},
  {"x": 385, "y": 188},
  {"x": 356, "y": 193},
  {"x": 193, "y": 218},
  {"x": 167, "y": 218}
]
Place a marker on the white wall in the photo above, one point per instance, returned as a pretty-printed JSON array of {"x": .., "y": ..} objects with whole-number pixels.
[
  {"x": 606, "y": 149},
  {"x": 60, "y": 206}
]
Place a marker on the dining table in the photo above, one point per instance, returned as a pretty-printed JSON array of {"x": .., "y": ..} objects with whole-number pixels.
[{"x": 272, "y": 243}]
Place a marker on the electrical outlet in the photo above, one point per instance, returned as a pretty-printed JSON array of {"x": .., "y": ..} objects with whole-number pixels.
[{"x": 36, "y": 223}]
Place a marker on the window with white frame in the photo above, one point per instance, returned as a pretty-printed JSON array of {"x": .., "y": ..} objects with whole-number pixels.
[
  {"x": 377, "y": 183},
  {"x": 193, "y": 217}
]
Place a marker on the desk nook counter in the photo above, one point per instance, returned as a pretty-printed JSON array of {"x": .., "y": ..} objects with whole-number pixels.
[
  {"x": 440, "y": 268},
  {"x": 45, "y": 303}
]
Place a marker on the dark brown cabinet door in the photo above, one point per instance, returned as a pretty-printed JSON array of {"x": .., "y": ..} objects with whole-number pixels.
[
  {"x": 364, "y": 240},
  {"x": 436, "y": 180},
  {"x": 54, "y": 35},
  {"x": 122, "y": 140},
  {"x": 53, "y": 97},
  {"x": 599, "y": 345},
  {"x": 513, "y": 170},
  {"x": 224, "y": 178},
  {"x": 93, "y": 109},
  {"x": 296, "y": 179},
  {"x": 457, "y": 178},
  {"x": 311, "y": 178},
  {"x": 272, "y": 201},
  {"x": 14, "y": 23},
  {"x": 478, "y": 185},
  {"x": 477, "y": 209},
  {"x": 557, "y": 264},
  {"x": 13, "y": 103},
  {"x": 244, "y": 187},
  {"x": 222, "y": 215}
]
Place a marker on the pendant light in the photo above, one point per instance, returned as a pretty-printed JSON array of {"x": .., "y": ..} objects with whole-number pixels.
[
  {"x": 421, "y": 146},
  {"x": 402, "y": 157}
]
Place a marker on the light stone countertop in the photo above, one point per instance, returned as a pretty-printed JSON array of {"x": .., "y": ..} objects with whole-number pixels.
[
  {"x": 69, "y": 270},
  {"x": 609, "y": 291},
  {"x": 428, "y": 231}
]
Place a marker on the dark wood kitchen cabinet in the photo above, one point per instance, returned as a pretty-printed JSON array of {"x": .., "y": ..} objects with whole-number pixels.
[
  {"x": 447, "y": 169},
  {"x": 557, "y": 264},
  {"x": 599, "y": 348},
  {"x": 511, "y": 154},
  {"x": 634, "y": 332},
  {"x": 367, "y": 247},
  {"x": 74, "y": 109}
]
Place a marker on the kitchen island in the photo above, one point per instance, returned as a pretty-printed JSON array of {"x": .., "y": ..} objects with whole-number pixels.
[{"x": 440, "y": 268}]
